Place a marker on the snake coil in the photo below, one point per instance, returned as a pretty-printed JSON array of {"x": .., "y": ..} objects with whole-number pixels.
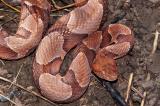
[{"x": 71, "y": 49}]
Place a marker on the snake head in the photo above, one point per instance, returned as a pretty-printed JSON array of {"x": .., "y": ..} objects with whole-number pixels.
[{"x": 117, "y": 41}]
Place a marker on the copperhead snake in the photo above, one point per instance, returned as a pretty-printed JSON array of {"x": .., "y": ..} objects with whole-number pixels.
[{"x": 72, "y": 48}]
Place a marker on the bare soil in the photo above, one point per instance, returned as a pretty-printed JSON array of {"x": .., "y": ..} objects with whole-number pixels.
[{"x": 143, "y": 16}]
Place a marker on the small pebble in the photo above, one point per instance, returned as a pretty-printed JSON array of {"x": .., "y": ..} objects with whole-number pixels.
[
  {"x": 30, "y": 88},
  {"x": 9, "y": 75},
  {"x": 3, "y": 71}
]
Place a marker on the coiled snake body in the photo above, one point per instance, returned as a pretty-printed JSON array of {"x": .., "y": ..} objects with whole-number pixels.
[
  {"x": 71, "y": 48},
  {"x": 33, "y": 22}
]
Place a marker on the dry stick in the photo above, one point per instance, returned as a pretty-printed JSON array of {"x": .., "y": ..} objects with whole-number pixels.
[
  {"x": 12, "y": 18},
  {"x": 11, "y": 2},
  {"x": 4, "y": 10},
  {"x": 67, "y": 6},
  {"x": 15, "y": 79},
  {"x": 134, "y": 89},
  {"x": 2, "y": 62},
  {"x": 55, "y": 5},
  {"x": 143, "y": 100},
  {"x": 8, "y": 5},
  {"x": 138, "y": 92},
  {"x": 129, "y": 87},
  {"x": 8, "y": 99},
  {"x": 8, "y": 21},
  {"x": 32, "y": 92},
  {"x": 155, "y": 43}
]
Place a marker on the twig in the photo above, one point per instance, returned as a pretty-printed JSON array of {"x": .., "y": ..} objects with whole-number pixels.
[
  {"x": 138, "y": 92},
  {"x": 4, "y": 10},
  {"x": 13, "y": 8},
  {"x": 129, "y": 87},
  {"x": 11, "y": 3},
  {"x": 56, "y": 15},
  {"x": 1, "y": 16},
  {"x": 32, "y": 92},
  {"x": 8, "y": 21},
  {"x": 8, "y": 99},
  {"x": 15, "y": 79},
  {"x": 65, "y": 7},
  {"x": 10, "y": 95},
  {"x": 13, "y": 19},
  {"x": 143, "y": 100},
  {"x": 155, "y": 43},
  {"x": 2, "y": 62},
  {"x": 55, "y": 5},
  {"x": 133, "y": 88}
]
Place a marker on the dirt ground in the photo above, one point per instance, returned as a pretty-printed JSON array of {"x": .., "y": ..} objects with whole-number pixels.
[{"x": 143, "y": 16}]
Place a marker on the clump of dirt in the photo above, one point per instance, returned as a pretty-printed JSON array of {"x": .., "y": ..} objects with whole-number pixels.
[{"x": 143, "y": 17}]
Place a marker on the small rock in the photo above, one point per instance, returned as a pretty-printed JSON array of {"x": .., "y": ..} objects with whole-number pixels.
[
  {"x": 95, "y": 103},
  {"x": 3, "y": 71},
  {"x": 1, "y": 16},
  {"x": 30, "y": 88},
  {"x": 9, "y": 75}
]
